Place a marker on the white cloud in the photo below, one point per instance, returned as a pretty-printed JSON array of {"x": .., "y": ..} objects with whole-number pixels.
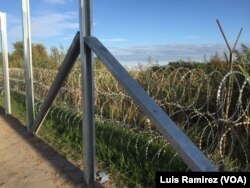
[
  {"x": 166, "y": 53},
  {"x": 114, "y": 40},
  {"x": 43, "y": 25},
  {"x": 53, "y": 24},
  {"x": 60, "y": 2}
]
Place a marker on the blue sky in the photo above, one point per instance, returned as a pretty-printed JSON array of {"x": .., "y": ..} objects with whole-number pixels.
[{"x": 133, "y": 30}]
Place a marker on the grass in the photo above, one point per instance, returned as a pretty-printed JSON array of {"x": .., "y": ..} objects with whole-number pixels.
[
  {"x": 131, "y": 157},
  {"x": 128, "y": 147},
  {"x": 18, "y": 107},
  {"x": 134, "y": 155}
]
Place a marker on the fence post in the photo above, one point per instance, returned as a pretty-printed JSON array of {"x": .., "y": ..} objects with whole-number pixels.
[
  {"x": 28, "y": 65},
  {"x": 5, "y": 63},
  {"x": 87, "y": 94}
]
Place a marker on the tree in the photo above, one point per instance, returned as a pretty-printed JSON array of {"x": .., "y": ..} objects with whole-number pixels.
[
  {"x": 216, "y": 60},
  {"x": 16, "y": 58},
  {"x": 40, "y": 57},
  {"x": 57, "y": 55}
]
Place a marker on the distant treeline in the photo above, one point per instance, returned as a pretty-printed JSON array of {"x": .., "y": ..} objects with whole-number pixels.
[
  {"x": 52, "y": 60},
  {"x": 215, "y": 61}
]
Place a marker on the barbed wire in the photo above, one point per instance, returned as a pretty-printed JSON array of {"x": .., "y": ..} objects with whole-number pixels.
[{"x": 193, "y": 98}]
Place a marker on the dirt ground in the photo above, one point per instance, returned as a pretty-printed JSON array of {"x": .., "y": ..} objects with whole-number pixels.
[{"x": 26, "y": 161}]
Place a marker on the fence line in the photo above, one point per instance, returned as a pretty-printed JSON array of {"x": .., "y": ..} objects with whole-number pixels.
[
  {"x": 185, "y": 99},
  {"x": 205, "y": 101},
  {"x": 178, "y": 140},
  {"x": 28, "y": 69},
  {"x": 200, "y": 112},
  {"x": 5, "y": 62}
]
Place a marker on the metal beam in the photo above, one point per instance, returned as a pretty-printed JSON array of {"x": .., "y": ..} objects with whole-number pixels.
[
  {"x": 5, "y": 63},
  {"x": 192, "y": 156},
  {"x": 87, "y": 94},
  {"x": 61, "y": 76},
  {"x": 28, "y": 65}
]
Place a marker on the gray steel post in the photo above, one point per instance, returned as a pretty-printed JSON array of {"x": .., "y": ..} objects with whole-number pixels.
[
  {"x": 193, "y": 157},
  {"x": 5, "y": 63},
  {"x": 87, "y": 94},
  {"x": 28, "y": 65},
  {"x": 61, "y": 76}
]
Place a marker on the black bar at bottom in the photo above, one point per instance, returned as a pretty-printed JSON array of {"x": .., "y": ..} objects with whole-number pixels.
[{"x": 197, "y": 179}]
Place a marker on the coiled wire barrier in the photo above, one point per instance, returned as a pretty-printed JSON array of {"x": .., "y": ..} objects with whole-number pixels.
[{"x": 194, "y": 99}]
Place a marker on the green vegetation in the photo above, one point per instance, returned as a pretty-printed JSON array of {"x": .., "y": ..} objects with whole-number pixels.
[
  {"x": 40, "y": 57},
  {"x": 130, "y": 155},
  {"x": 128, "y": 146}
]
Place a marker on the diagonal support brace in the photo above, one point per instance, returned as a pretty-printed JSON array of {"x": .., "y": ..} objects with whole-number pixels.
[{"x": 61, "y": 76}]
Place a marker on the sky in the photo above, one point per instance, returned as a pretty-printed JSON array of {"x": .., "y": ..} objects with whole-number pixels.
[{"x": 137, "y": 30}]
